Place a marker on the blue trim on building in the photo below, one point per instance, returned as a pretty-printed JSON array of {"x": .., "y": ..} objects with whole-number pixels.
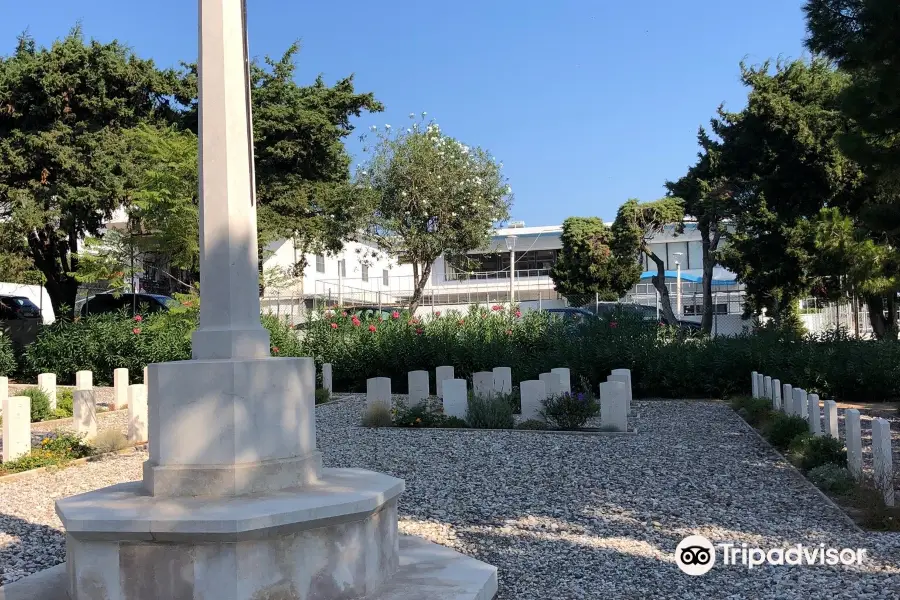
[{"x": 688, "y": 277}]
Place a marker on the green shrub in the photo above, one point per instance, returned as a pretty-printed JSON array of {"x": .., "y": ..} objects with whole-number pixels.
[
  {"x": 377, "y": 415},
  {"x": 110, "y": 440},
  {"x": 453, "y": 423},
  {"x": 322, "y": 395},
  {"x": 755, "y": 411},
  {"x": 40, "y": 404},
  {"x": 64, "y": 404},
  {"x": 782, "y": 429},
  {"x": 533, "y": 424},
  {"x": 419, "y": 415},
  {"x": 569, "y": 411},
  {"x": 8, "y": 362},
  {"x": 56, "y": 449},
  {"x": 491, "y": 412},
  {"x": 809, "y": 451},
  {"x": 832, "y": 478}
]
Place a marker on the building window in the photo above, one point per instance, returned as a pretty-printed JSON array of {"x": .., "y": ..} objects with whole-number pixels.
[
  {"x": 342, "y": 267},
  {"x": 365, "y": 273},
  {"x": 385, "y": 278},
  {"x": 320, "y": 263}
]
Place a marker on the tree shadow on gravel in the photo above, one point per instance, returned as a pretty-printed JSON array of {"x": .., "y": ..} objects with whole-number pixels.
[{"x": 30, "y": 547}]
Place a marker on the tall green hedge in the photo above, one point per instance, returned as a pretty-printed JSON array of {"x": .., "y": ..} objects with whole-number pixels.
[{"x": 663, "y": 364}]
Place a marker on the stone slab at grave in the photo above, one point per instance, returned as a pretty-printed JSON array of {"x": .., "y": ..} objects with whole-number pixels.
[
  {"x": 483, "y": 384},
  {"x": 502, "y": 381},
  {"x": 234, "y": 503},
  {"x": 551, "y": 380},
  {"x": 418, "y": 386},
  {"x": 767, "y": 387},
  {"x": 120, "y": 389},
  {"x": 626, "y": 373},
  {"x": 883, "y": 460},
  {"x": 622, "y": 378},
  {"x": 613, "y": 409},
  {"x": 16, "y": 427},
  {"x": 533, "y": 393},
  {"x": 787, "y": 398},
  {"x": 754, "y": 385},
  {"x": 137, "y": 413},
  {"x": 84, "y": 413},
  {"x": 47, "y": 383},
  {"x": 84, "y": 380},
  {"x": 378, "y": 390},
  {"x": 814, "y": 414},
  {"x": 776, "y": 394},
  {"x": 327, "y": 378},
  {"x": 853, "y": 431},
  {"x": 800, "y": 403},
  {"x": 831, "y": 419},
  {"x": 759, "y": 385},
  {"x": 456, "y": 398},
  {"x": 565, "y": 379},
  {"x": 440, "y": 375}
]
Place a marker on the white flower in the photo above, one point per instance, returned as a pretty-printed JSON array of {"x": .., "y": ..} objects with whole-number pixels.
[
  {"x": 452, "y": 214},
  {"x": 364, "y": 173},
  {"x": 374, "y": 128},
  {"x": 403, "y": 194},
  {"x": 388, "y": 126},
  {"x": 423, "y": 114}
]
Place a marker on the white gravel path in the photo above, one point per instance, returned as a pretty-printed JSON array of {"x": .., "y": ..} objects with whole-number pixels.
[{"x": 561, "y": 516}]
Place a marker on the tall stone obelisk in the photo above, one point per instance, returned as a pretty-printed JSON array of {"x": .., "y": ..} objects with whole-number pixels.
[{"x": 234, "y": 503}]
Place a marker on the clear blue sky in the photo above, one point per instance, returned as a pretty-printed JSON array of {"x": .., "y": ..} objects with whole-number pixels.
[{"x": 586, "y": 102}]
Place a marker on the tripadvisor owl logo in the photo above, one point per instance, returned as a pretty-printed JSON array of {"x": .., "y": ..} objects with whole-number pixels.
[{"x": 695, "y": 555}]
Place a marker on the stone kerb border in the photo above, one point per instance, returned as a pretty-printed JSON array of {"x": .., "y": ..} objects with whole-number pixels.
[{"x": 77, "y": 461}]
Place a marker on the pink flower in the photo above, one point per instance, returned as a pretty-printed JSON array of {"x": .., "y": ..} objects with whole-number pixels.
[
  {"x": 437, "y": 313},
  {"x": 462, "y": 321},
  {"x": 275, "y": 349},
  {"x": 138, "y": 318},
  {"x": 419, "y": 332},
  {"x": 518, "y": 313},
  {"x": 344, "y": 314},
  {"x": 395, "y": 315},
  {"x": 613, "y": 324},
  {"x": 355, "y": 322},
  {"x": 509, "y": 332},
  {"x": 334, "y": 325},
  {"x": 136, "y": 330},
  {"x": 496, "y": 307},
  {"x": 372, "y": 328}
]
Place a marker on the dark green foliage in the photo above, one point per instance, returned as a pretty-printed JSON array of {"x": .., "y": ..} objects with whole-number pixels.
[
  {"x": 377, "y": 415},
  {"x": 832, "y": 478},
  {"x": 322, "y": 395},
  {"x": 40, "y": 404},
  {"x": 489, "y": 413},
  {"x": 8, "y": 363},
  {"x": 569, "y": 411},
  {"x": 533, "y": 424},
  {"x": 420, "y": 415},
  {"x": 454, "y": 423},
  {"x": 587, "y": 267},
  {"x": 56, "y": 449},
  {"x": 755, "y": 411},
  {"x": 64, "y": 404},
  {"x": 781, "y": 430},
  {"x": 808, "y": 452}
]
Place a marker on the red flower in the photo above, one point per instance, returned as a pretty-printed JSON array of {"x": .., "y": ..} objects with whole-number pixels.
[
  {"x": 613, "y": 324},
  {"x": 188, "y": 303},
  {"x": 518, "y": 313},
  {"x": 355, "y": 321},
  {"x": 496, "y": 307},
  {"x": 437, "y": 313},
  {"x": 138, "y": 318},
  {"x": 136, "y": 330},
  {"x": 344, "y": 314},
  {"x": 462, "y": 321},
  {"x": 412, "y": 321},
  {"x": 509, "y": 332},
  {"x": 419, "y": 332},
  {"x": 334, "y": 325},
  {"x": 275, "y": 349},
  {"x": 372, "y": 328},
  {"x": 395, "y": 315}
]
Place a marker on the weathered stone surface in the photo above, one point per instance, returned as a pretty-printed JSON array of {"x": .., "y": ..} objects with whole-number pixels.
[
  {"x": 883, "y": 460},
  {"x": 419, "y": 386},
  {"x": 625, "y": 375},
  {"x": 440, "y": 374},
  {"x": 754, "y": 385},
  {"x": 120, "y": 388},
  {"x": 84, "y": 413},
  {"x": 502, "y": 380},
  {"x": 483, "y": 384},
  {"x": 787, "y": 398},
  {"x": 613, "y": 405},
  {"x": 532, "y": 394},
  {"x": 565, "y": 379},
  {"x": 137, "y": 413},
  {"x": 378, "y": 389},
  {"x": 776, "y": 394},
  {"x": 854, "y": 442},
  {"x": 814, "y": 414},
  {"x": 47, "y": 382},
  {"x": 831, "y": 419},
  {"x": 327, "y": 378},
  {"x": 84, "y": 380},
  {"x": 551, "y": 380},
  {"x": 16, "y": 427},
  {"x": 456, "y": 398}
]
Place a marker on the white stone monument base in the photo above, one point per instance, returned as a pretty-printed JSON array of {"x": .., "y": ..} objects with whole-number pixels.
[{"x": 427, "y": 571}]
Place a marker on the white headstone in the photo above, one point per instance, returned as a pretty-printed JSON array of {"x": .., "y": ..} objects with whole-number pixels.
[
  {"x": 378, "y": 389},
  {"x": 440, "y": 375},
  {"x": 84, "y": 413},
  {"x": 854, "y": 442},
  {"x": 759, "y": 385},
  {"x": 800, "y": 408},
  {"x": 84, "y": 380},
  {"x": 137, "y": 413},
  {"x": 146, "y": 381},
  {"x": 47, "y": 382},
  {"x": 456, "y": 398},
  {"x": 776, "y": 394},
  {"x": 565, "y": 379},
  {"x": 4, "y": 391},
  {"x": 754, "y": 385},
  {"x": 627, "y": 374},
  {"x": 787, "y": 399},
  {"x": 418, "y": 382},
  {"x": 883, "y": 459},
  {"x": 623, "y": 379},
  {"x": 533, "y": 393},
  {"x": 814, "y": 414},
  {"x": 16, "y": 427},
  {"x": 483, "y": 384},
  {"x": 551, "y": 380},
  {"x": 767, "y": 387},
  {"x": 327, "y": 381},
  {"x": 502, "y": 380},
  {"x": 613, "y": 408},
  {"x": 120, "y": 389},
  {"x": 831, "y": 419}
]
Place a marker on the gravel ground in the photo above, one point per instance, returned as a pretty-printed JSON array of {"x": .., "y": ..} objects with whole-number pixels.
[{"x": 561, "y": 516}]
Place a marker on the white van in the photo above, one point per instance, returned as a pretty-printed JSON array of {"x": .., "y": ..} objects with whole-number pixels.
[{"x": 36, "y": 293}]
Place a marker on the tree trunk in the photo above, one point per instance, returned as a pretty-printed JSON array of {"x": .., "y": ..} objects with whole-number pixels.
[
  {"x": 419, "y": 280},
  {"x": 883, "y": 327},
  {"x": 709, "y": 242},
  {"x": 54, "y": 259},
  {"x": 659, "y": 282}
]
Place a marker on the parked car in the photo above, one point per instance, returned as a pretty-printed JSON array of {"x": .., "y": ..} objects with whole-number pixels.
[
  {"x": 605, "y": 310},
  {"x": 18, "y": 307},
  {"x": 131, "y": 303},
  {"x": 578, "y": 315},
  {"x": 363, "y": 313}
]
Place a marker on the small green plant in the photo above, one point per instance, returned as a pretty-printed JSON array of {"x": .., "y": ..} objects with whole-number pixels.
[
  {"x": 40, "y": 404},
  {"x": 782, "y": 429},
  {"x": 322, "y": 395},
  {"x": 490, "y": 412},
  {"x": 755, "y": 411},
  {"x": 873, "y": 513},
  {"x": 569, "y": 411},
  {"x": 377, "y": 414},
  {"x": 453, "y": 423},
  {"x": 110, "y": 440},
  {"x": 809, "y": 451},
  {"x": 64, "y": 404},
  {"x": 56, "y": 449},
  {"x": 419, "y": 415},
  {"x": 514, "y": 399},
  {"x": 832, "y": 478},
  {"x": 533, "y": 424}
]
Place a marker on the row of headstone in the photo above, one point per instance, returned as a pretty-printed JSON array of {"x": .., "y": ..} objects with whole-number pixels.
[
  {"x": 796, "y": 402},
  {"x": 615, "y": 400},
  {"x": 17, "y": 409}
]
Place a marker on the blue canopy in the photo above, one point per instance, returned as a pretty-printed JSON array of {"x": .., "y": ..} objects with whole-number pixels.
[{"x": 690, "y": 277}]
